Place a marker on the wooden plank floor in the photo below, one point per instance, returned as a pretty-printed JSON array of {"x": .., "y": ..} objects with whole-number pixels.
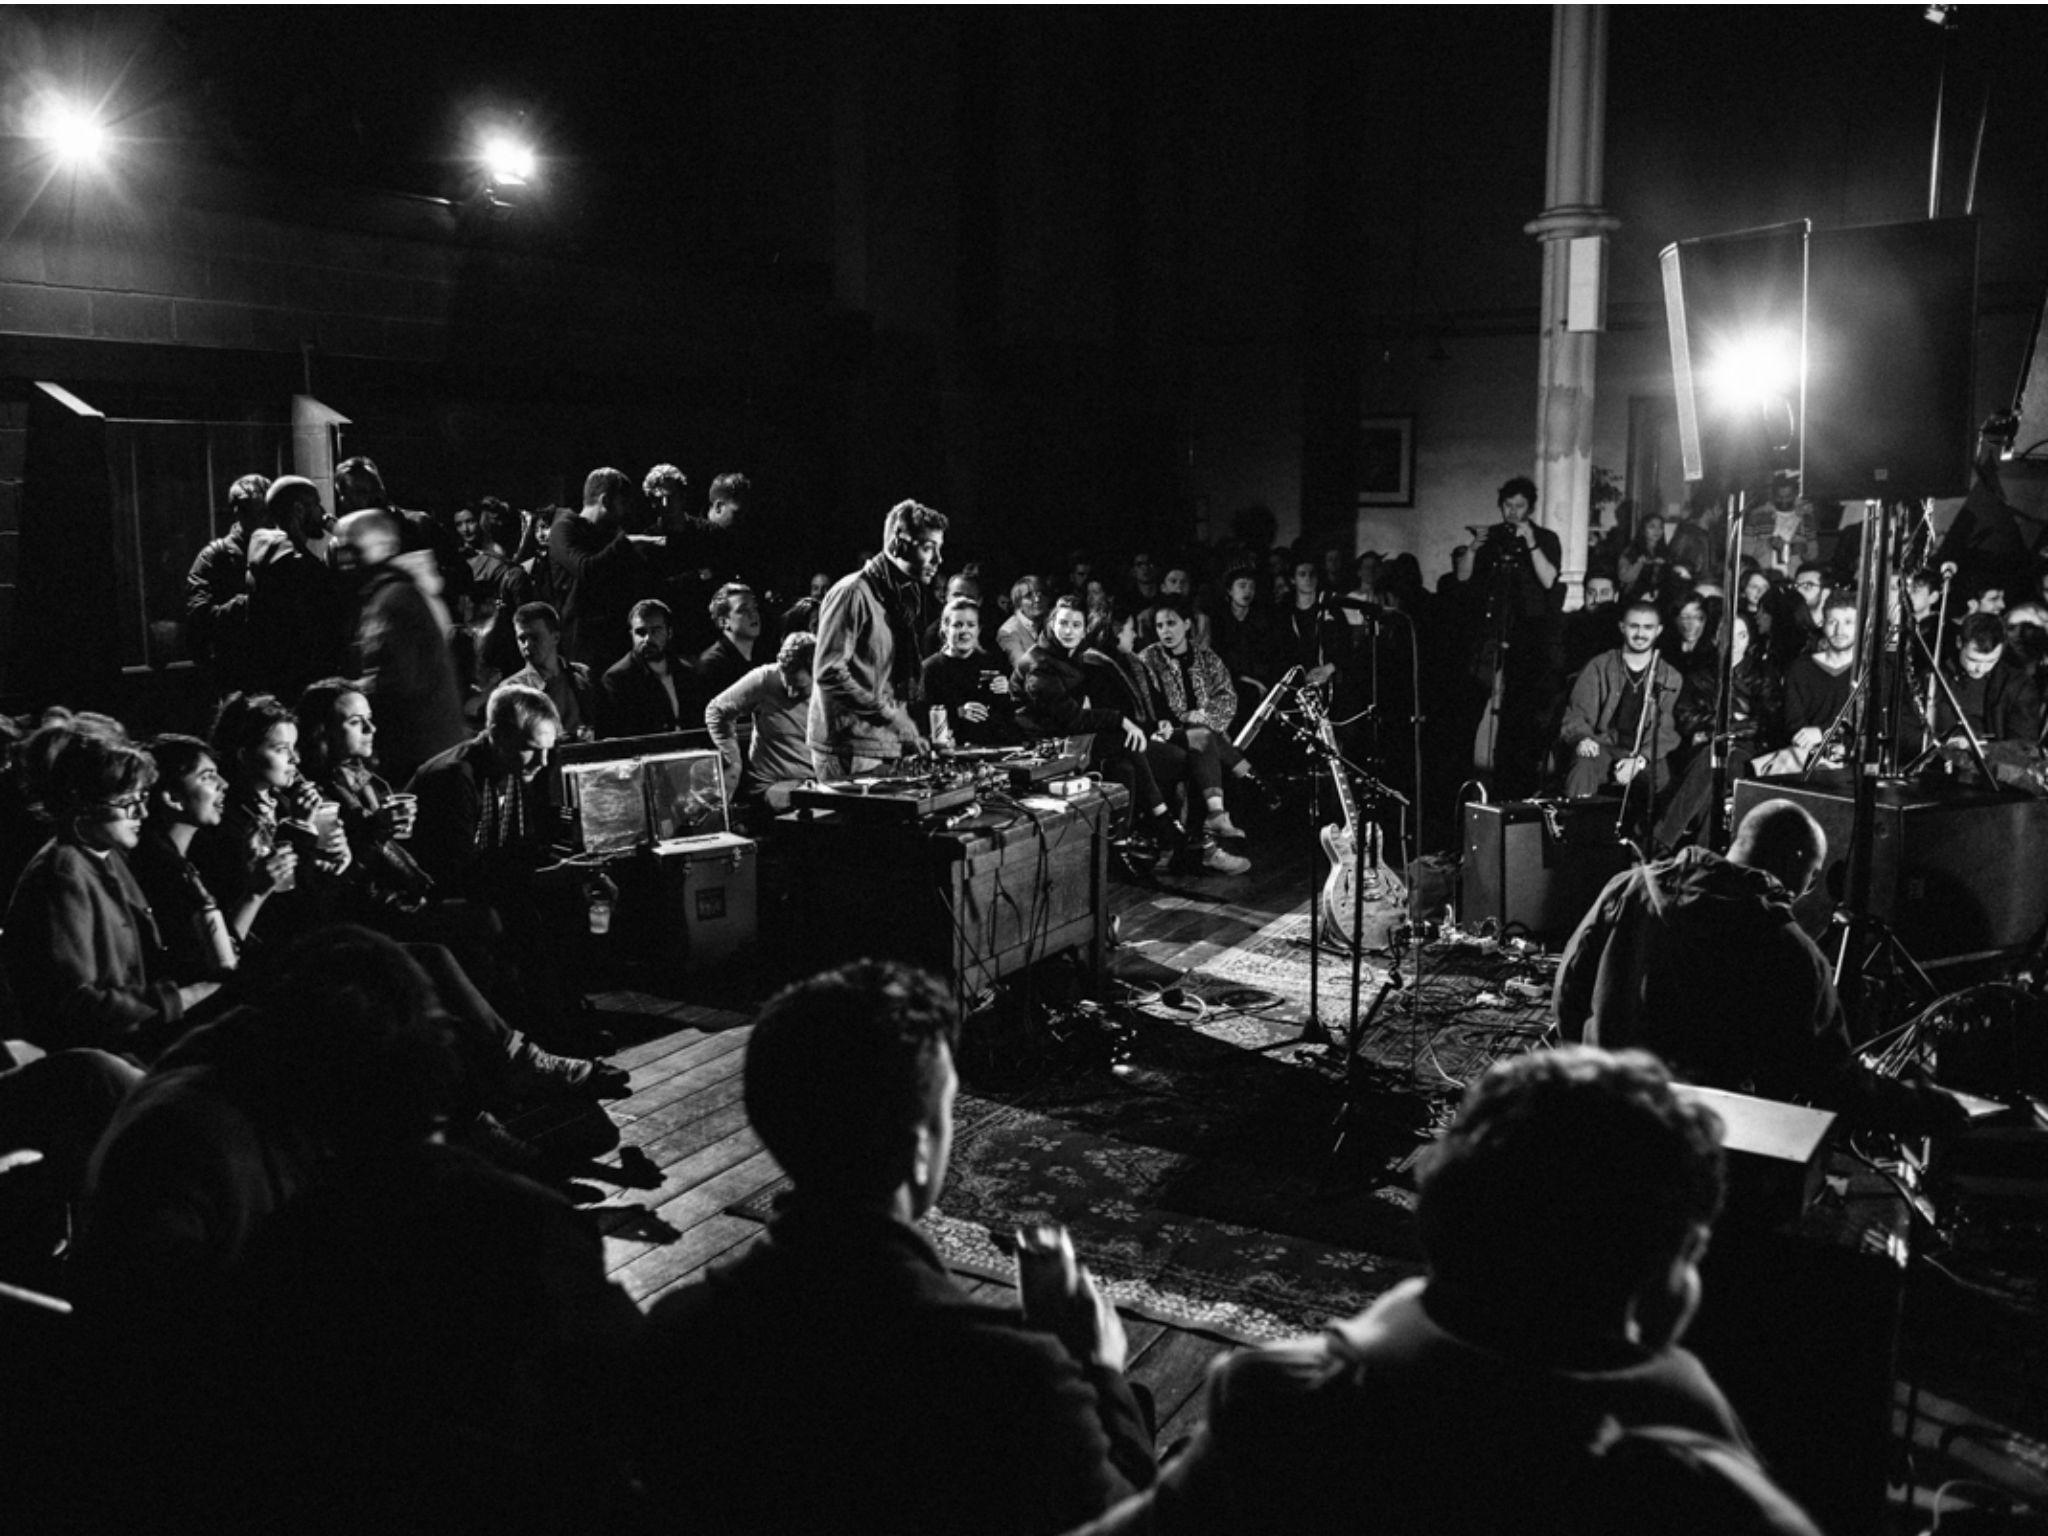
[{"x": 686, "y": 1152}]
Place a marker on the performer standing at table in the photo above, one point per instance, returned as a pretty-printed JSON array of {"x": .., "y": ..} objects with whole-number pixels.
[{"x": 866, "y": 672}]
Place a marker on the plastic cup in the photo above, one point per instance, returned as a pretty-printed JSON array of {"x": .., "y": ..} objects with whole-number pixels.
[{"x": 407, "y": 808}]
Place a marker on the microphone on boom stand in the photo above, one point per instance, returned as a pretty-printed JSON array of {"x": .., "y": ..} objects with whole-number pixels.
[{"x": 1294, "y": 679}]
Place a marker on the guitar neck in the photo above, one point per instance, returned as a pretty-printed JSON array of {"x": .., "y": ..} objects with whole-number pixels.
[{"x": 1345, "y": 803}]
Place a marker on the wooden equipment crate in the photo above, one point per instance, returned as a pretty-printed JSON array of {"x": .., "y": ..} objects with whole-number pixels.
[{"x": 974, "y": 901}]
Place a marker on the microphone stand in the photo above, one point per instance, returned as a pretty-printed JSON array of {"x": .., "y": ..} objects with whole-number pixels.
[
  {"x": 1714, "y": 830},
  {"x": 1940, "y": 628},
  {"x": 1841, "y": 718},
  {"x": 1313, "y": 1030},
  {"x": 1651, "y": 690},
  {"x": 1976, "y": 742}
]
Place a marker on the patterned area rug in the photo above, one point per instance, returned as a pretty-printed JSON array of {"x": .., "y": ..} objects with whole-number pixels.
[
  {"x": 1467, "y": 1006},
  {"x": 1205, "y": 1180}
]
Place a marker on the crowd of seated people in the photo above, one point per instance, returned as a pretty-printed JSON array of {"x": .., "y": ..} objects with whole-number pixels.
[
  {"x": 1656, "y": 625},
  {"x": 637, "y": 614}
]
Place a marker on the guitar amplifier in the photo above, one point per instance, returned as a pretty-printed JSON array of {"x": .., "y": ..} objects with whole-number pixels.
[{"x": 1538, "y": 866}]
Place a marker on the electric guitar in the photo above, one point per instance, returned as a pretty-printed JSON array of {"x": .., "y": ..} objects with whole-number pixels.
[{"x": 1353, "y": 849}]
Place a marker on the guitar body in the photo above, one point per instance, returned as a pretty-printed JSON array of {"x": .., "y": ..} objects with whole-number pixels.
[{"x": 1386, "y": 894}]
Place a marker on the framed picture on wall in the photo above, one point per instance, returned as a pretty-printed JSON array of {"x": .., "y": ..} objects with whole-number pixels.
[{"x": 1386, "y": 461}]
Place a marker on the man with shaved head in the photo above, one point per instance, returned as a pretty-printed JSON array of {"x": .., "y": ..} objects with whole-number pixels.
[{"x": 1700, "y": 959}]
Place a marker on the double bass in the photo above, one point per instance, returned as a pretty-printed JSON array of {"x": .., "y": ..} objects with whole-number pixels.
[{"x": 1353, "y": 849}]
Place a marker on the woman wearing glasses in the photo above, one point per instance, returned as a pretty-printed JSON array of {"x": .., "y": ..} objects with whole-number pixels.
[{"x": 81, "y": 946}]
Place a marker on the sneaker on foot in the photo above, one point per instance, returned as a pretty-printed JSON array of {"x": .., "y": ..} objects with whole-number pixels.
[
  {"x": 542, "y": 1074},
  {"x": 1220, "y": 859},
  {"x": 1219, "y": 824}
]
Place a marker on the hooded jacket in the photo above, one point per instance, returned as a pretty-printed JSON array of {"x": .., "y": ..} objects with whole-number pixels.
[{"x": 1702, "y": 961}]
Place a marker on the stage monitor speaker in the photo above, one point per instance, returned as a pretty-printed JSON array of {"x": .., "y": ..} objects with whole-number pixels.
[
  {"x": 1722, "y": 293},
  {"x": 1890, "y": 343},
  {"x": 1517, "y": 873},
  {"x": 1773, "y": 1150},
  {"x": 1954, "y": 873}
]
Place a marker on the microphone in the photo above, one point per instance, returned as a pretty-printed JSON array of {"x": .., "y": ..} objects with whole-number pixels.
[
  {"x": 1948, "y": 572},
  {"x": 1267, "y": 705}
]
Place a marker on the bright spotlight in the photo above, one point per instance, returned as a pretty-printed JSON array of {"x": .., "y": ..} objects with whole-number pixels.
[
  {"x": 507, "y": 161},
  {"x": 74, "y": 132},
  {"x": 1754, "y": 373}
]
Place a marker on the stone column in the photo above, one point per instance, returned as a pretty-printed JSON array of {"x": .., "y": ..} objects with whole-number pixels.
[{"x": 1572, "y": 211}]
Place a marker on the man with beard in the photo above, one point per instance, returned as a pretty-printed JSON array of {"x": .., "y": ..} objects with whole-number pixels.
[
  {"x": 1818, "y": 685},
  {"x": 648, "y": 690},
  {"x": 866, "y": 674},
  {"x": 1620, "y": 724}
]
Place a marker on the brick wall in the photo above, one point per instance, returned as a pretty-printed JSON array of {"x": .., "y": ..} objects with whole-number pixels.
[{"x": 408, "y": 281}]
